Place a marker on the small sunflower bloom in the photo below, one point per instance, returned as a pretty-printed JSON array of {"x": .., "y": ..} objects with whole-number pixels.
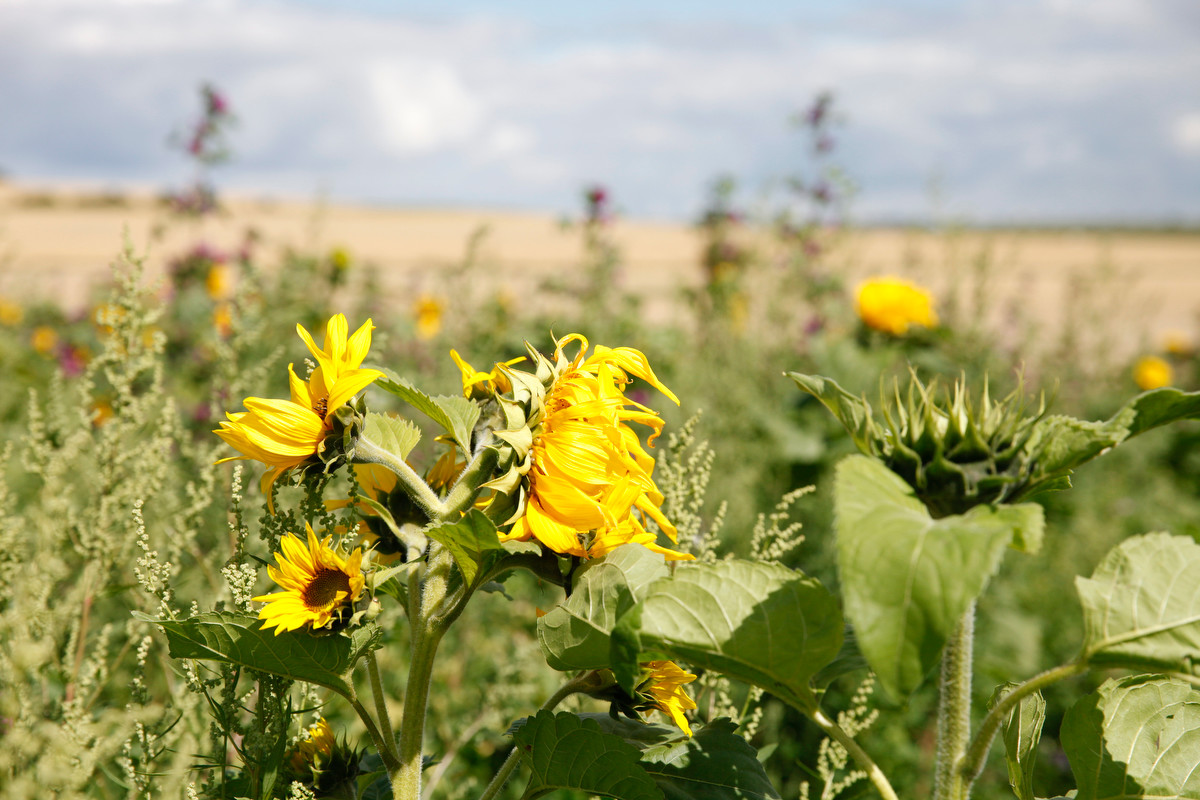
[
  {"x": 484, "y": 384},
  {"x": 219, "y": 281},
  {"x": 283, "y": 434},
  {"x": 11, "y": 314},
  {"x": 1152, "y": 372},
  {"x": 316, "y": 741},
  {"x": 318, "y": 584},
  {"x": 44, "y": 339},
  {"x": 665, "y": 685},
  {"x": 429, "y": 317},
  {"x": 893, "y": 305},
  {"x": 589, "y": 474}
]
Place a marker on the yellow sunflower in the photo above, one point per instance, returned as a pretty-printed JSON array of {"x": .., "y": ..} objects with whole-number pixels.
[
  {"x": 484, "y": 384},
  {"x": 589, "y": 473},
  {"x": 665, "y": 685},
  {"x": 316, "y": 740},
  {"x": 285, "y": 433},
  {"x": 1152, "y": 372},
  {"x": 892, "y": 305},
  {"x": 317, "y": 582}
]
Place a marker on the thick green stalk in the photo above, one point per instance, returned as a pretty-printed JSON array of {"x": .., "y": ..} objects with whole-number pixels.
[
  {"x": 860, "y": 756},
  {"x": 972, "y": 763},
  {"x": 426, "y": 635},
  {"x": 367, "y": 452},
  {"x": 385, "y": 720},
  {"x": 954, "y": 710}
]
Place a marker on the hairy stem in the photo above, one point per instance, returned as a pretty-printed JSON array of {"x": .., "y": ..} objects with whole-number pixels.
[
  {"x": 954, "y": 710},
  {"x": 385, "y": 721},
  {"x": 387, "y": 755},
  {"x": 972, "y": 763},
  {"x": 367, "y": 452},
  {"x": 569, "y": 688},
  {"x": 864, "y": 761}
]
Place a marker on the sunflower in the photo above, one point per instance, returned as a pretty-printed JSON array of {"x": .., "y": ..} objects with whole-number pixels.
[
  {"x": 316, "y": 742},
  {"x": 318, "y": 584},
  {"x": 1152, "y": 372},
  {"x": 285, "y": 433},
  {"x": 589, "y": 474},
  {"x": 664, "y": 685},
  {"x": 484, "y": 384},
  {"x": 892, "y": 305}
]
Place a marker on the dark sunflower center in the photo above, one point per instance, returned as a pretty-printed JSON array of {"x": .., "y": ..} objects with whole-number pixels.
[
  {"x": 323, "y": 589},
  {"x": 321, "y": 407}
]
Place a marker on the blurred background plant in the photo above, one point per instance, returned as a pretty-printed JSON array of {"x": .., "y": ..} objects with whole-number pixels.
[{"x": 110, "y": 502}]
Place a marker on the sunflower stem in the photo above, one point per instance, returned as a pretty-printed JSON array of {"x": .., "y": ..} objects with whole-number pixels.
[
  {"x": 577, "y": 684},
  {"x": 367, "y": 452},
  {"x": 426, "y": 635},
  {"x": 954, "y": 711},
  {"x": 390, "y": 762},
  {"x": 860, "y": 756},
  {"x": 385, "y": 720},
  {"x": 466, "y": 488}
]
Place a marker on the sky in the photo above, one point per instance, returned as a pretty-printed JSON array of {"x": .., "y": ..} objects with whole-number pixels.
[{"x": 1023, "y": 111}]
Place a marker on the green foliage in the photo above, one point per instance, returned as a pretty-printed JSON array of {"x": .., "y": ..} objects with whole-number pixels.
[
  {"x": 1135, "y": 737},
  {"x": 326, "y": 660},
  {"x": 1022, "y": 732},
  {"x": 563, "y": 751},
  {"x": 1142, "y": 605},
  {"x": 908, "y": 578},
  {"x": 394, "y": 434},
  {"x": 757, "y": 622},
  {"x": 455, "y": 415}
]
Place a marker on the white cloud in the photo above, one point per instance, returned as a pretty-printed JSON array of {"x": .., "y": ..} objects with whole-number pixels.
[{"x": 1029, "y": 107}]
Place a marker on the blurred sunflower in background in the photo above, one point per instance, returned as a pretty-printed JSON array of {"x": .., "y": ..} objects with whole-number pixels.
[{"x": 893, "y": 305}]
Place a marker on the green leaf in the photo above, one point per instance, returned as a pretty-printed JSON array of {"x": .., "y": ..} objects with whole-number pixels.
[
  {"x": 575, "y": 634},
  {"x": 757, "y": 622},
  {"x": 907, "y": 578},
  {"x": 456, "y": 415},
  {"x": 713, "y": 764},
  {"x": 853, "y": 412},
  {"x": 237, "y": 639},
  {"x": 1022, "y": 732},
  {"x": 473, "y": 541},
  {"x": 394, "y": 434},
  {"x": 1141, "y": 607},
  {"x": 563, "y": 751},
  {"x": 1135, "y": 738}
]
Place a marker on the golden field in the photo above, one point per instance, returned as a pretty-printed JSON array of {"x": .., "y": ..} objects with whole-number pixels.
[{"x": 1145, "y": 285}]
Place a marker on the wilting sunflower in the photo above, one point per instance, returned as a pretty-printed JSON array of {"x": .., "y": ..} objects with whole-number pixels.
[
  {"x": 589, "y": 474},
  {"x": 285, "y": 433},
  {"x": 483, "y": 384},
  {"x": 318, "y": 584},
  {"x": 665, "y": 685},
  {"x": 892, "y": 305}
]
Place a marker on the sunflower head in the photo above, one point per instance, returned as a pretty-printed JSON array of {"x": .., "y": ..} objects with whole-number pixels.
[
  {"x": 893, "y": 305},
  {"x": 321, "y": 587},
  {"x": 1152, "y": 372},
  {"x": 323, "y": 761},
  {"x": 659, "y": 689},
  {"x": 573, "y": 470}
]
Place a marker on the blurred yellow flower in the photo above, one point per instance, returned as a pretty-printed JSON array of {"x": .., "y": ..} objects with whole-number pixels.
[
  {"x": 665, "y": 684},
  {"x": 339, "y": 259},
  {"x": 318, "y": 583},
  {"x": 1152, "y": 372},
  {"x": 589, "y": 475},
  {"x": 10, "y": 313},
  {"x": 107, "y": 316},
  {"x": 429, "y": 316},
  {"x": 219, "y": 282},
  {"x": 484, "y": 384},
  {"x": 222, "y": 319},
  {"x": 317, "y": 740},
  {"x": 44, "y": 339},
  {"x": 893, "y": 304},
  {"x": 102, "y": 412},
  {"x": 285, "y": 433},
  {"x": 1177, "y": 343}
]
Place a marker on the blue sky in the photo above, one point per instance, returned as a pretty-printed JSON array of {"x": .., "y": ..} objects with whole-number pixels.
[{"x": 1025, "y": 110}]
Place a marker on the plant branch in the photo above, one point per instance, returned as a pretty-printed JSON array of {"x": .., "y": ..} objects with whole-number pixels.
[
  {"x": 860, "y": 756},
  {"x": 385, "y": 721},
  {"x": 389, "y": 760},
  {"x": 954, "y": 709},
  {"x": 367, "y": 452},
  {"x": 972, "y": 762}
]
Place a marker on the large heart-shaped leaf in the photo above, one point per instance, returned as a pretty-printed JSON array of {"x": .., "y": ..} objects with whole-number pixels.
[
  {"x": 1135, "y": 738},
  {"x": 575, "y": 634},
  {"x": 473, "y": 542},
  {"x": 394, "y": 434},
  {"x": 237, "y": 639},
  {"x": 563, "y": 751},
  {"x": 714, "y": 764},
  {"x": 1141, "y": 606},
  {"x": 757, "y": 622},
  {"x": 908, "y": 578}
]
